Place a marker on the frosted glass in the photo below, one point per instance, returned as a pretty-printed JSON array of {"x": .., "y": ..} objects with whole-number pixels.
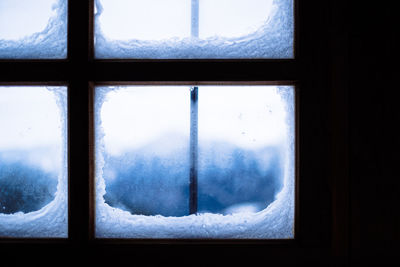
[
  {"x": 33, "y": 162},
  {"x": 190, "y": 29},
  {"x": 246, "y": 162},
  {"x": 242, "y": 136},
  {"x": 33, "y": 29},
  {"x": 146, "y": 131}
]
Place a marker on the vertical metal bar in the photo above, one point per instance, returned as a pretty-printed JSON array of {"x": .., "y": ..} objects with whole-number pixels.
[
  {"x": 193, "y": 150},
  {"x": 195, "y": 18}
]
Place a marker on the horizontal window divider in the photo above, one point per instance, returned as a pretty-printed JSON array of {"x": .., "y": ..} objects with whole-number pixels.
[
  {"x": 211, "y": 71},
  {"x": 147, "y": 71},
  {"x": 193, "y": 83},
  {"x": 43, "y": 71}
]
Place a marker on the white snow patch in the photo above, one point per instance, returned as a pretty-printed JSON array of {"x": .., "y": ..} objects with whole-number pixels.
[
  {"x": 274, "y": 39},
  {"x": 50, "y": 43}
]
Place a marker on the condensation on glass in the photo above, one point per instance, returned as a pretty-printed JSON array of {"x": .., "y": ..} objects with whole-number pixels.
[
  {"x": 33, "y": 29},
  {"x": 194, "y": 29},
  {"x": 236, "y": 142},
  {"x": 33, "y": 162}
]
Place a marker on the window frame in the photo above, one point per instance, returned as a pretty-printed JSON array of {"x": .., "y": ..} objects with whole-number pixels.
[
  {"x": 312, "y": 68},
  {"x": 92, "y": 153}
]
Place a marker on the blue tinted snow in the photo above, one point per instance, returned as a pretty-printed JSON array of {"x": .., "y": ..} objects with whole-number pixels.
[
  {"x": 273, "y": 39},
  {"x": 33, "y": 29}
]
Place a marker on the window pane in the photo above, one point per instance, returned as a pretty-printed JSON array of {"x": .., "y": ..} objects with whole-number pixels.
[
  {"x": 33, "y": 162},
  {"x": 145, "y": 155},
  {"x": 189, "y": 29},
  {"x": 33, "y": 29},
  {"x": 242, "y": 142},
  {"x": 145, "y": 20},
  {"x": 245, "y": 161}
]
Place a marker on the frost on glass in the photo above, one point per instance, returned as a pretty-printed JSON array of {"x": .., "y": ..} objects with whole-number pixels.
[
  {"x": 194, "y": 29},
  {"x": 245, "y": 169},
  {"x": 33, "y": 162},
  {"x": 33, "y": 29}
]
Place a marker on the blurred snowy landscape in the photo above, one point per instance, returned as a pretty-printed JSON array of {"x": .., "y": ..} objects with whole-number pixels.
[{"x": 147, "y": 183}]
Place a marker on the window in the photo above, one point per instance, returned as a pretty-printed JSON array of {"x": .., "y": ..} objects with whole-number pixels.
[
  {"x": 220, "y": 153},
  {"x": 82, "y": 71}
]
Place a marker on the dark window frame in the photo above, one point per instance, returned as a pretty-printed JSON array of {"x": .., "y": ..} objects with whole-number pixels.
[{"x": 313, "y": 70}]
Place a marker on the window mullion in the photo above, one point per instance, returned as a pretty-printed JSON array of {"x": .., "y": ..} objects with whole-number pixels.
[
  {"x": 195, "y": 18},
  {"x": 78, "y": 106},
  {"x": 193, "y": 149}
]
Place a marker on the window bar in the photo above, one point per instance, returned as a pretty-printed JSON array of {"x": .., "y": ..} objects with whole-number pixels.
[
  {"x": 193, "y": 119},
  {"x": 193, "y": 150},
  {"x": 195, "y": 18}
]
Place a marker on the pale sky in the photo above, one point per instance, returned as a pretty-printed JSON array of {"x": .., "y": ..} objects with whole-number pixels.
[
  {"x": 30, "y": 121},
  {"x": 162, "y": 19},
  {"x": 134, "y": 116},
  {"x": 246, "y": 116},
  {"x": 20, "y": 18}
]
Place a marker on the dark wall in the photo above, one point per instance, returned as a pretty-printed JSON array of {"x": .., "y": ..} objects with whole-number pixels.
[{"x": 374, "y": 139}]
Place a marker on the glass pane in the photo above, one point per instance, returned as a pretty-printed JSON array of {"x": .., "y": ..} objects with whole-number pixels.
[
  {"x": 33, "y": 162},
  {"x": 145, "y": 157},
  {"x": 145, "y": 20},
  {"x": 245, "y": 162},
  {"x": 188, "y": 29},
  {"x": 242, "y": 138},
  {"x": 232, "y": 18},
  {"x": 33, "y": 29}
]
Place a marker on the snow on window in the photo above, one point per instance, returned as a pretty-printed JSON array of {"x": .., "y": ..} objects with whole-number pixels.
[
  {"x": 33, "y": 29},
  {"x": 190, "y": 29},
  {"x": 33, "y": 162},
  {"x": 245, "y": 162}
]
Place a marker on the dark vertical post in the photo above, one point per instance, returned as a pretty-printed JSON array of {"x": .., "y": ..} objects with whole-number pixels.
[
  {"x": 193, "y": 150},
  {"x": 193, "y": 119},
  {"x": 195, "y": 18},
  {"x": 78, "y": 106}
]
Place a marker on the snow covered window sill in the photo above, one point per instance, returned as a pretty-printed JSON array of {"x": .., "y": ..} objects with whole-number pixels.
[{"x": 194, "y": 162}]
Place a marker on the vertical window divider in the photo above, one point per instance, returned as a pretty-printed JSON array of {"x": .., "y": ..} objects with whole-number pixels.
[
  {"x": 195, "y": 18},
  {"x": 194, "y": 120},
  {"x": 193, "y": 149}
]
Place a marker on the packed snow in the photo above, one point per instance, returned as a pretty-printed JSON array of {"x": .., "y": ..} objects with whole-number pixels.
[
  {"x": 167, "y": 36},
  {"x": 33, "y": 29}
]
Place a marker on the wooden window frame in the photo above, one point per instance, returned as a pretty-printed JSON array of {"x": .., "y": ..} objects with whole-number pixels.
[{"x": 312, "y": 70}]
